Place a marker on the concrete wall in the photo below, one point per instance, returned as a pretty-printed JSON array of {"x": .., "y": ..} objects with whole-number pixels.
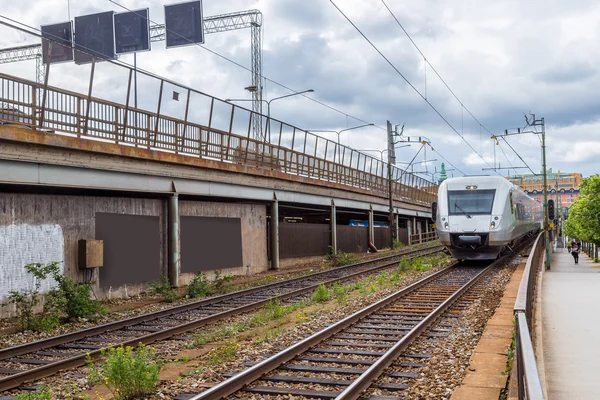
[
  {"x": 73, "y": 218},
  {"x": 44, "y": 228},
  {"x": 254, "y": 233}
]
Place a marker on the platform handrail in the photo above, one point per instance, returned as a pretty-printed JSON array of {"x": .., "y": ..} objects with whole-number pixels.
[
  {"x": 222, "y": 134},
  {"x": 528, "y": 378}
]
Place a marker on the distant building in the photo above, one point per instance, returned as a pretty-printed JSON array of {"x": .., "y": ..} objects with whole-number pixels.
[
  {"x": 443, "y": 175},
  {"x": 563, "y": 187}
]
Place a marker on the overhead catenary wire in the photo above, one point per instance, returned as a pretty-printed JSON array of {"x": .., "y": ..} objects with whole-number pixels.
[
  {"x": 518, "y": 155},
  {"x": 410, "y": 84},
  {"x": 433, "y": 68},
  {"x": 427, "y": 62},
  {"x": 204, "y": 47}
]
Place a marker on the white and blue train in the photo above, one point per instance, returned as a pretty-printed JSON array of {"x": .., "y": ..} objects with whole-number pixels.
[{"x": 477, "y": 217}]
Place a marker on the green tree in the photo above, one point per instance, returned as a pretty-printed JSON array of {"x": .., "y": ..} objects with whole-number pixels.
[{"x": 584, "y": 215}]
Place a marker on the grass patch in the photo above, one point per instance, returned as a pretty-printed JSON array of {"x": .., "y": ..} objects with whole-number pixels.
[
  {"x": 321, "y": 294},
  {"x": 220, "y": 354},
  {"x": 42, "y": 393},
  {"x": 339, "y": 258}
]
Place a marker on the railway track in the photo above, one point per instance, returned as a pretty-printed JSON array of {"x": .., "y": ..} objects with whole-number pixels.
[
  {"x": 46, "y": 357},
  {"x": 349, "y": 357}
]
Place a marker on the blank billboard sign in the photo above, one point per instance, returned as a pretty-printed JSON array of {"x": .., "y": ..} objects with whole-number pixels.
[
  {"x": 183, "y": 23},
  {"x": 62, "y": 37},
  {"x": 132, "y": 31},
  {"x": 132, "y": 248},
  {"x": 209, "y": 243},
  {"x": 94, "y": 34}
]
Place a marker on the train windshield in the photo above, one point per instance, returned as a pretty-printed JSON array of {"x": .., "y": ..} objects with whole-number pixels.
[{"x": 470, "y": 202}]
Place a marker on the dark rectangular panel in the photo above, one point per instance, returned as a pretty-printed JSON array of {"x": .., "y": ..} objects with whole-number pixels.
[
  {"x": 132, "y": 31},
  {"x": 382, "y": 238},
  {"x": 183, "y": 23},
  {"x": 353, "y": 239},
  {"x": 62, "y": 37},
  {"x": 303, "y": 240},
  {"x": 131, "y": 248},
  {"x": 94, "y": 35},
  {"x": 209, "y": 243}
]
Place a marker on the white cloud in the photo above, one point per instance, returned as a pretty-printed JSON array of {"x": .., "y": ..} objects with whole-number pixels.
[{"x": 490, "y": 53}]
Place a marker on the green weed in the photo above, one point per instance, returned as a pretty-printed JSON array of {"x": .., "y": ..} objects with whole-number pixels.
[
  {"x": 198, "y": 286},
  {"x": 42, "y": 393},
  {"x": 128, "y": 374},
  {"x": 321, "y": 294},
  {"x": 163, "y": 288},
  {"x": 339, "y": 258}
]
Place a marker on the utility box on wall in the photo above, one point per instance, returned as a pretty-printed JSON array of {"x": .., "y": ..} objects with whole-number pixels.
[{"x": 91, "y": 253}]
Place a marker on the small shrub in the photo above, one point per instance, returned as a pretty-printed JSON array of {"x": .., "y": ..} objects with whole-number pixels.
[
  {"x": 26, "y": 301},
  {"x": 42, "y": 393},
  {"x": 321, "y": 294},
  {"x": 163, "y": 288},
  {"x": 340, "y": 294},
  {"x": 339, "y": 258},
  {"x": 398, "y": 245},
  {"x": 74, "y": 299},
  {"x": 404, "y": 265},
  {"x": 198, "y": 286},
  {"x": 128, "y": 374},
  {"x": 220, "y": 281}
]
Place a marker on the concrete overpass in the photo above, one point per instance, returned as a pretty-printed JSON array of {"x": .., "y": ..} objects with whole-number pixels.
[{"x": 177, "y": 196}]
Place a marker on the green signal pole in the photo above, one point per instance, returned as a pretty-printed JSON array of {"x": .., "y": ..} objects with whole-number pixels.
[{"x": 546, "y": 220}]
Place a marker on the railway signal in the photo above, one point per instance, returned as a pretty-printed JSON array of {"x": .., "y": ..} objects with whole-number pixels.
[{"x": 551, "y": 212}]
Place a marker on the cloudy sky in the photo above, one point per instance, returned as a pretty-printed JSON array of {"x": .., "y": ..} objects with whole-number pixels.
[{"x": 500, "y": 58}]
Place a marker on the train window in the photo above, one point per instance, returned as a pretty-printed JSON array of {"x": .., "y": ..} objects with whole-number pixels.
[{"x": 470, "y": 202}]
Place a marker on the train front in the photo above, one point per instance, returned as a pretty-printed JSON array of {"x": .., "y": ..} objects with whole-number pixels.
[{"x": 469, "y": 217}]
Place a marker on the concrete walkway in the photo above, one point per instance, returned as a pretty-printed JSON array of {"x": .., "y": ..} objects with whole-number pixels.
[{"x": 571, "y": 327}]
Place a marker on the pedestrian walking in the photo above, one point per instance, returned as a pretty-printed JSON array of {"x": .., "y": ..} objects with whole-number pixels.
[
  {"x": 575, "y": 253},
  {"x": 569, "y": 246}
]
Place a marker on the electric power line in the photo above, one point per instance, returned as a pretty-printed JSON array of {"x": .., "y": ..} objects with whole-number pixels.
[
  {"x": 518, "y": 155},
  {"x": 433, "y": 69},
  {"x": 409, "y": 83}
]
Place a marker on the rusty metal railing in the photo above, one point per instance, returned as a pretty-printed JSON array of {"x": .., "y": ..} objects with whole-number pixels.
[
  {"x": 206, "y": 127},
  {"x": 423, "y": 237},
  {"x": 530, "y": 386}
]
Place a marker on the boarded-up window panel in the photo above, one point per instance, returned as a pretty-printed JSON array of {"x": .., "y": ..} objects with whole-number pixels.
[
  {"x": 209, "y": 243},
  {"x": 382, "y": 238},
  {"x": 303, "y": 240},
  {"x": 403, "y": 235},
  {"x": 131, "y": 248},
  {"x": 353, "y": 239}
]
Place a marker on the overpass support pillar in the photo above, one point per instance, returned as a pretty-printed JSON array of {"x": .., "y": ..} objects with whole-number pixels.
[
  {"x": 333, "y": 225},
  {"x": 275, "y": 234},
  {"x": 396, "y": 227},
  {"x": 173, "y": 242},
  {"x": 371, "y": 232}
]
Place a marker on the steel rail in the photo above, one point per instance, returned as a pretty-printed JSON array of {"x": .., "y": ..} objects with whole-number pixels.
[
  {"x": 356, "y": 389},
  {"x": 14, "y": 380},
  {"x": 365, "y": 380},
  {"x": 254, "y": 373}
]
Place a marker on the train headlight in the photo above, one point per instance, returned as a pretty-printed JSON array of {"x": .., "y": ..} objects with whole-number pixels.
[
  {"x": 492, "y": 225},
  {"x": 446, "y": 225}
]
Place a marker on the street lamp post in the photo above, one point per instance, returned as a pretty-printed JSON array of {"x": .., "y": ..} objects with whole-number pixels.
[
  {"x": 269, "y": 105},
  {"x": 338, "y": 132},
  {"x": 383, "y": 151}
]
